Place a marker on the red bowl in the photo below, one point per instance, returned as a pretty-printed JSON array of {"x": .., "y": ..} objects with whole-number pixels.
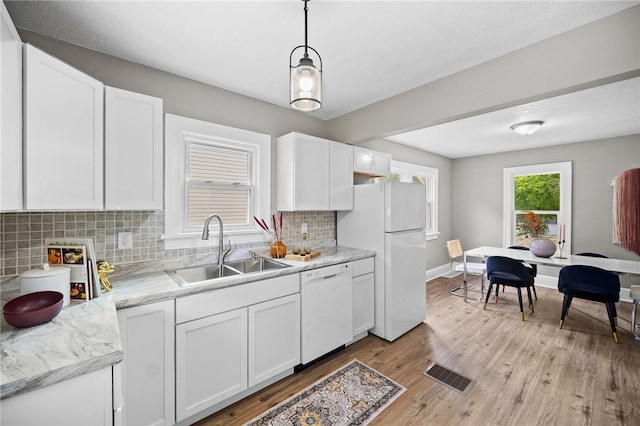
[{"x": 33, "y": 308}]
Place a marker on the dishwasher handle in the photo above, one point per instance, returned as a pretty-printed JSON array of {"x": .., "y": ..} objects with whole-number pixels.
[{"x": 326, "y": 272}]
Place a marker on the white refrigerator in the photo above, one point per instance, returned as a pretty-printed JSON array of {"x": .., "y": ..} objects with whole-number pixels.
[{"x": 389, "y": 218}]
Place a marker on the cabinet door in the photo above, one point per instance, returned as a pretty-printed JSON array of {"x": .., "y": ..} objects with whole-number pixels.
[
  {"x": 211, "y": 361},
  {"x": 81, "y": 401},
  {"x": 63, "y": 135},
  {"x": 11, "y": 114},
  {"x": 371, "y": 163},
  {"x": 363, "y": 294},
  {"x": 341, "y": 177},
  {"x": 303, "y": 173},
  {"x": 274, "y": 337},
  {"x": 133, "y": 151},
  {"x": 148, "y": 342}
]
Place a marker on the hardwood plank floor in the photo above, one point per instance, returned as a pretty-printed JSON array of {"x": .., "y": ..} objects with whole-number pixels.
[{"x": 526, "y": 373}]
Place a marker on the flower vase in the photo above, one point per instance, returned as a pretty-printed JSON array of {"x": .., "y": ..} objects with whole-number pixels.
[
  {"x": 542, "y": 247},
  {"x": 278, "y": 249}
]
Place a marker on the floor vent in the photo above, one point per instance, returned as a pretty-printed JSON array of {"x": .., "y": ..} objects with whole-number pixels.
[{"x": 449, "y": 378}]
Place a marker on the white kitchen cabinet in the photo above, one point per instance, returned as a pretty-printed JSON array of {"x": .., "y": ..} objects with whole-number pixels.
[
  {"x": 371, "y": 163},
  {"x": 274, "y": 338},
  {"x": 10, "y": 114},
  {"x": 341, "y": 177},
  {"x": 148, "y": 379},
  {"x": 211, "y": 361},
  {"x": 133, "y": 151},
  {"x": 363, "y": 297},
  {"x": 63, "y": 135},
  {"x": 313, "y": 174},
  {"x": 233, "y": 339},
  {"x": 81, "y": 401}
]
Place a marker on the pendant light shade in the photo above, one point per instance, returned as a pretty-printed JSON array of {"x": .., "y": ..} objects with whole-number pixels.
[{"x": 305, "y": 78}]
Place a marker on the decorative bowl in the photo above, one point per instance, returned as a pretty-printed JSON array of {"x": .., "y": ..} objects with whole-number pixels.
[{"x": 33, "y": 308}]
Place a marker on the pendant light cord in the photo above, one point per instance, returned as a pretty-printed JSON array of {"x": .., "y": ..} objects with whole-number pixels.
[{"x": 306, "y": 54}]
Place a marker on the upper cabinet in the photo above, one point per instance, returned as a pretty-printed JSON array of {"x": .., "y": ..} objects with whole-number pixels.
[
  {"x": 368, "y": 162},
  {"x": 10, "y": 114},
  {"x": 63, "y": 135},
  {"x": 341, "y": 177},
  {"x": 133, "y": 151},
  {"x": 313, "y": 174}
]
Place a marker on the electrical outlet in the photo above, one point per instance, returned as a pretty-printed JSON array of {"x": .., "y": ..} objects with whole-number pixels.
[
  {"x": 304, "y": 228},
  {"x": 125, "y": 240}
]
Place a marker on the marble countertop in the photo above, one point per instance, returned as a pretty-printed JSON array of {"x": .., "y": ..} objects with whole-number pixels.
[{"x": 85, "y": 336}]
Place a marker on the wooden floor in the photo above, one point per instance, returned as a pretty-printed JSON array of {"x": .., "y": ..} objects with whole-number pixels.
[{"x": 526, "y": 373}]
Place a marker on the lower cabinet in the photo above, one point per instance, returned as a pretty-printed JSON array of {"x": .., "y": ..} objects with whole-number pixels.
[
  {"x": 274, "y": 338},
  {"x": 211, "y": 361},
  {"x": 230, "y": 340},
  {"x": 363, "y": 297},
  {"x": 147, "y": 334},
  {"x": 81, "y": 401}
]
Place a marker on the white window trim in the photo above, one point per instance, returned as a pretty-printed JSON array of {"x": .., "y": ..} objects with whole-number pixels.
[
  {"x": 564, "y": 217},
  {"x": 406, "y": 169},
  {"x": 178, "y": 130}
]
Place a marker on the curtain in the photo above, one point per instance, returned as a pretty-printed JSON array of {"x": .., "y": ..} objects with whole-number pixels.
[{"x": 626, "y": 210}]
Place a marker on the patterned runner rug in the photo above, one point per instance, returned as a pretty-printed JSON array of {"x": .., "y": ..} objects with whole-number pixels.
[{"x": 352, "y": 395}]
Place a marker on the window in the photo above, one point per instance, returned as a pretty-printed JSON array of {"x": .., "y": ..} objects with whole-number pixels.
[
  {"x": 427, "y": 176},
  {"x": 544, "y": 189},
  {"x": 212, "y": 168}
]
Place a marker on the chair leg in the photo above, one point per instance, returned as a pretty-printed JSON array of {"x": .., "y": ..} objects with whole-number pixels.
[
  {"x": 530, "y": 301},
  {"x": 534, "y": 291},
  {"x": 488, "y": 294},
  {"x": 520, "y": 300},
  {"x": 565, "y": 306},
  {"x": 611, "y": 311}
]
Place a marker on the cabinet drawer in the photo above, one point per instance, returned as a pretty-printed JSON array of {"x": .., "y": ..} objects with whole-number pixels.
[
  {"x": 362, "y": 266},
  {"x": 213, "y": 302}
]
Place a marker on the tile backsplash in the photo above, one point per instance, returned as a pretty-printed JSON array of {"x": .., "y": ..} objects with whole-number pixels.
[{"x": 22, "y": 235}]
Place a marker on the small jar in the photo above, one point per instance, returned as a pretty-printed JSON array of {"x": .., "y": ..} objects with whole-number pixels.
[{"x": 278, "y": 249}]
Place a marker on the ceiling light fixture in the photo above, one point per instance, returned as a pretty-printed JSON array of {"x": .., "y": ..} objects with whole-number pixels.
[
  {"x": 305, "y": 79},
  {"x": 527, "y": 128}
]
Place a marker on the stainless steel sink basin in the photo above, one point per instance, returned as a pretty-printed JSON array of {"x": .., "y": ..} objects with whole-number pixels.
[
  {"x": 199, "y": 274},
  {"x": 257, "y": 265}
]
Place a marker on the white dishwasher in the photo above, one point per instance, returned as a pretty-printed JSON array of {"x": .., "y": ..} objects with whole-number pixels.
[{"x": 325, "y": 310}]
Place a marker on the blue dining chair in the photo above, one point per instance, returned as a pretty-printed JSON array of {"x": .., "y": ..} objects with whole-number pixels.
[
  {"x": 510, "y": 272},
  {"x": 533, "y": 269},
  {"x": 590, "y": 283}
]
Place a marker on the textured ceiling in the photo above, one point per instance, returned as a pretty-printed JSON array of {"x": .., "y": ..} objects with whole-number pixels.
[
  {"x": 371, "y": 50},
  {"x": 602, "y": 112}
]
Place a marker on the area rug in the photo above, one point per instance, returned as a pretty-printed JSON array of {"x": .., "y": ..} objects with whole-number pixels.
[{"x": 352, "y": 395}]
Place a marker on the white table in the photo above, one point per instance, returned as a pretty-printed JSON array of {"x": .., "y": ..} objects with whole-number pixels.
[{"x": 617, "y": 266}]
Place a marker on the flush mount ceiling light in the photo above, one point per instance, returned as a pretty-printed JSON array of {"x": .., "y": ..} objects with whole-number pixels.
[
  {"x": 527, "y": 128},
  {"x": 305, "y": 79}
]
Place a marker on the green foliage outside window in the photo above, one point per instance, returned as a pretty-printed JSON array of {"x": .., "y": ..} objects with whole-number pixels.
[
  {"x": 540, "y": 193},
  {"x": 537, "y": 192}
]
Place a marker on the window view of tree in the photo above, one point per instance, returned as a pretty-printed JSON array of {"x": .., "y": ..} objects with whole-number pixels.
[{"x": 540, "y": 194}]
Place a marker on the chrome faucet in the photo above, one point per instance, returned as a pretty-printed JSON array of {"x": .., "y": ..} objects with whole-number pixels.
[{"x": 205, "y": 236}]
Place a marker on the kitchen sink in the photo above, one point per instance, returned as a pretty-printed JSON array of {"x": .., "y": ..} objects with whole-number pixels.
[
  {"x": 257, "y": 265},
  {"x": 199, "y": 274}
]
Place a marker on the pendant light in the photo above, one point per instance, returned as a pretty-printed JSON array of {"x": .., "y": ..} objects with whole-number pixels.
[{"x": 305, "y": 79}]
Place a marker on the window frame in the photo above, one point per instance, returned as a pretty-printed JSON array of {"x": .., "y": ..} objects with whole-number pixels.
[
  {"x": 564, "y": 214},
  {"x": 178, "y": 132},
  {"x": 407, "y": 170}
]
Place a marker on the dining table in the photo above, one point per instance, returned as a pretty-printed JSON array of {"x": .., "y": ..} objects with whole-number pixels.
[{"x": 617, "y": 266}]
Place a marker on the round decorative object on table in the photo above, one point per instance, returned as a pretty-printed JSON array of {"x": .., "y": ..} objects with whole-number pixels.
[{"x": 542, "y": 247}]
